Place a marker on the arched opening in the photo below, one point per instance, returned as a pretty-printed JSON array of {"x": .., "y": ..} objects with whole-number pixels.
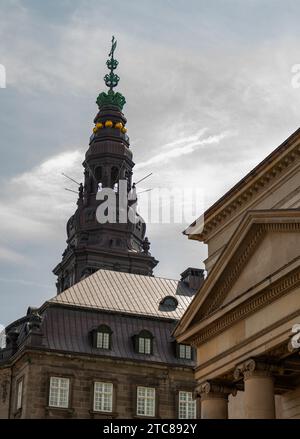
[
  {"x": 98, "y": 177},
  {"x": 114, "y": 177}
]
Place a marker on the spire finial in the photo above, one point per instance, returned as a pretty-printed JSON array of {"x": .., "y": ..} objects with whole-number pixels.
[{"x": 111, "y": 79}]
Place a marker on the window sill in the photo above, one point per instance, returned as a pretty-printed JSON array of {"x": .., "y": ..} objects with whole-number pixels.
[
  {"x": 67, "y": 410},
  {"x": 103, "y": 415},
  {"x": 145, "y": 417}
]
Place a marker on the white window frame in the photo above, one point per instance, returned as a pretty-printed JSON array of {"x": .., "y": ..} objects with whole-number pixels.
[
  {"x": 185, "y": 351},
  {"x": 186, "y": 405},
  {"x": 144, "y": 345},
  {"x": 103, "y": 340},
  {"x": 105, "y": 392},
  {"x": 19, "y": 393},
  {"x": 59, "y": 392},
  {"x": 145, "y": 401}
]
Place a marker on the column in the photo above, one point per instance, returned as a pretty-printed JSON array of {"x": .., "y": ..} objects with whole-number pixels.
[
  {"x": 258, "y": 389},
  {"x": 214, "y": 399}
]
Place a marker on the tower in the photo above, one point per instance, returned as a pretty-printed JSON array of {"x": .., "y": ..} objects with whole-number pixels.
[{"x": 113, "y": 245}]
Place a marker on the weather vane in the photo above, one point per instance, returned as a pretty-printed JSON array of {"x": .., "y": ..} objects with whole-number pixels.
[{"x": 111, "y": 79}]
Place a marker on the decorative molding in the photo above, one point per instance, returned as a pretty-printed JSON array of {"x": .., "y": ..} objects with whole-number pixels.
[
  {"x": 275, "y": 354},
  {"x": 252, "y": 367},
  {"x": 259, "y": 301},
  {"x": 227, "y": 280},
  {"x": 212, "y": 389},
  {"x": 239, "y": 261}
]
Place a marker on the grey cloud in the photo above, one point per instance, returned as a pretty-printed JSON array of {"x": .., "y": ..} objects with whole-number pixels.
[{"x": 219, "y": 66}]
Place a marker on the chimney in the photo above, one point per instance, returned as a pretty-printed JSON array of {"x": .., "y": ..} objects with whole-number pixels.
[{"x": 193, "y": 277}]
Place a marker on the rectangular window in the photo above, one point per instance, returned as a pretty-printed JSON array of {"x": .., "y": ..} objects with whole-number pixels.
[
  {"x": 19, "y": 393},
  {"x": 187, "y": 406},
  {"x": 144, "y": 345},
  {"x": 59, "y": 392},
  {"x": 103, "y": 340},
  {"x": 145, "y": 401},
  {"x": 185, "y": 351},
  {"x": 103, "y": 397}
]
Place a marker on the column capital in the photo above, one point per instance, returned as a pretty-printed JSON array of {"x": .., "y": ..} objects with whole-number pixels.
[
  {"x": 253, "y": 367},
  {"x": 212, "y": 389}
]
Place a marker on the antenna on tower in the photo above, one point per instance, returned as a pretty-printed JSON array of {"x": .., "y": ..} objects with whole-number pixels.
[
  {"x": 70, "y": 190},
  {"x": 70, "y": 178},
  {"x": 144, "y": 178}
]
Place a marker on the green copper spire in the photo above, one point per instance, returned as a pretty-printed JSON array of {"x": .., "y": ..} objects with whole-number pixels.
[{"x": 111, "y": 80}]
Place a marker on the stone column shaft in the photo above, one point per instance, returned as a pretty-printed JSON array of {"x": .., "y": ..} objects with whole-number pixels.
[
  {"x": 214, "y": 400},
  {"x": 258, "y": 389}
]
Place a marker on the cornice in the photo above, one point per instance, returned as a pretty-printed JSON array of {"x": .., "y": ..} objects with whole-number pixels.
[
  {"x": 239, "y": 200},
  {"x": 273, "y": 353}
]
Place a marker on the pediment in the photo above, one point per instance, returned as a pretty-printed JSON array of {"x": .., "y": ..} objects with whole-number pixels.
[
  {"x": 263, "y": 243},
  {"x": 274, "y": 249}
]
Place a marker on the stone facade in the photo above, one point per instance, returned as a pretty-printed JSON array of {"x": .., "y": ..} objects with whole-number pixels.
[{"x": 36, "y": 368}]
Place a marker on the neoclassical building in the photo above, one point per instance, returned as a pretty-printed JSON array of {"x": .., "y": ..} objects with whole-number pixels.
[
  {"x": 102, "y": 347},
  {"x": 242, "y": 317}
]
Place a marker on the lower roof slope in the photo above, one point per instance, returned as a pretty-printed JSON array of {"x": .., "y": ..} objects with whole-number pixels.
[{"x": 128, "y": 293}]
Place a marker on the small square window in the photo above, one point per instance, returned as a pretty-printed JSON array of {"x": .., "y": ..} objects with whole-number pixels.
[
  {"x": 145, "y": 401},
  {"x": 59, "y": 392},
  {"x": 185, "y": 351}
]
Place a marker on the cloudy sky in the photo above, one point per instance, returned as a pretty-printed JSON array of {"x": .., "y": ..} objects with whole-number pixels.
[{"x": 209, "y": 94}]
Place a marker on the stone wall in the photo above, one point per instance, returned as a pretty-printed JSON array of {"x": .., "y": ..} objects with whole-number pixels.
[
  {"x": 83, "y": 371},
  {"x": 5, "y": 379},
  {"x": 290, "y": 404}
]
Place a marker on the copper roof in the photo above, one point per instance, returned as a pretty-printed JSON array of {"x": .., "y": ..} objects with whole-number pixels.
[{"x": 127, "y": 293}]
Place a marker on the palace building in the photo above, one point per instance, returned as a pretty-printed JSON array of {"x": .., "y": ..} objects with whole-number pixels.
[
  {"x": 103, "y": 346},
  {"x": 246, "y": 312}
]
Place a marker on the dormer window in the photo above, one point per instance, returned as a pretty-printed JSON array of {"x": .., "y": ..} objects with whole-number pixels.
[
  {"x": 102, "y": 337},
  {"x": 98, "y": 177},
  {"x": 144, "y": 343},
  {"x": 169, "y": 302},
  {"x": 184, "y": 351}
]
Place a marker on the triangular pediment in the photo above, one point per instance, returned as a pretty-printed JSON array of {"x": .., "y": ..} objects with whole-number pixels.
[
  {"x": 275, "y": 249},
  {"x": 263, "y": 243}
]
